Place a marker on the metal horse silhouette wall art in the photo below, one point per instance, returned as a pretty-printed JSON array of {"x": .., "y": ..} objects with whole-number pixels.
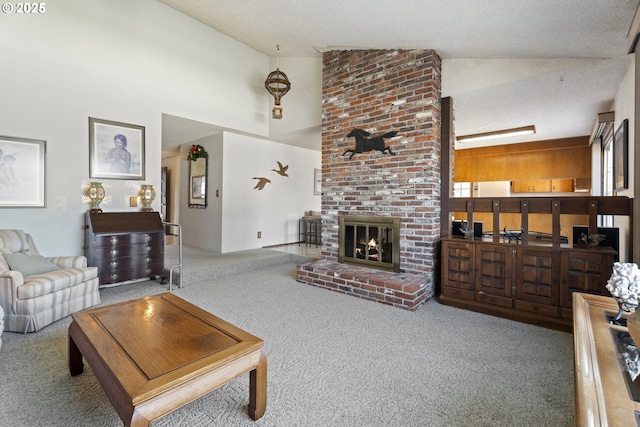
[{"x": 364, "y": 143}]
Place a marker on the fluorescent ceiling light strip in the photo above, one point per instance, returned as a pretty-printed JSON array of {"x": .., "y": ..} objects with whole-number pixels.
[{"x": 525, "y": 130}]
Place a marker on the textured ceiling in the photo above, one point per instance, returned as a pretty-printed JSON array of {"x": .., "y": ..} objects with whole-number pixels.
[{"x": 555, "y": 64}]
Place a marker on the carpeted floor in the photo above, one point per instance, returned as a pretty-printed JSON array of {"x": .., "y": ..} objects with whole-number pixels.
[
  {"x": 334, "y": 360},
  {"x": 200, "y": 264}
]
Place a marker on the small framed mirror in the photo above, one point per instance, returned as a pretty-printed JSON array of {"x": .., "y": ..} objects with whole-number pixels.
[{"x": 198, "y": 182}]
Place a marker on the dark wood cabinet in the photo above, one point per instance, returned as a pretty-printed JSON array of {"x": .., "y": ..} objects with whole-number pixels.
[
  {"x": 124, "y": 245},
  {"x": 526, "y": 282},
  {"x": 458, "y": 267},
  {"x": 537, "y": 271},
  {"x": 493, "y": 274},
  {"x": 543, "y": 186},
  {"x": 585, "y": 272}
]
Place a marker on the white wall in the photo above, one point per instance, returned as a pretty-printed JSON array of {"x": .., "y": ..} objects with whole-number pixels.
[
  {"x": 302, "y": 105},
  {"x": 236, "y": 211},
  {"x": 122, "y": 61},
  {"x": 624, "y": 109},
  {"x": 201, "y": 227},
  {"x": 275, "y": 210}
]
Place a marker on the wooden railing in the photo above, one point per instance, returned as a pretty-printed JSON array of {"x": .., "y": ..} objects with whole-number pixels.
[{"x": 554, "y": 206}]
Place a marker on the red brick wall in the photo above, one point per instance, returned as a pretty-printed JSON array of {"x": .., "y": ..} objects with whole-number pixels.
[{"x": 382, "y": 91}]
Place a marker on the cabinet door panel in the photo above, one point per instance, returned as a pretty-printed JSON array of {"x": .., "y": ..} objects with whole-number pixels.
[
  {"x": 584, "y": 271},
  {"x": 562, "y": 185},
  {"x": 538, "y": 275},
  {"x": 457, "y": 265},
  {"x": 493, "y": 274},
  {"x": 539, "y": 186}
]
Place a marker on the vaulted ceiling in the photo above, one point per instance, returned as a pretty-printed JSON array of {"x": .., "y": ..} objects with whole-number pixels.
[{"x": 554, "y": 64}]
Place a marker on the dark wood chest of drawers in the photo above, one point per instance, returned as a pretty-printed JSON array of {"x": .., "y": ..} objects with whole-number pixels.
[{"x": 124, "y": 245}]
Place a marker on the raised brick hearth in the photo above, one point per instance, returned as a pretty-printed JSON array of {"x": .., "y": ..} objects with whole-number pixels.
[
  {"x": 402, "y": 290},
  {"x": 381, "y": 91}
]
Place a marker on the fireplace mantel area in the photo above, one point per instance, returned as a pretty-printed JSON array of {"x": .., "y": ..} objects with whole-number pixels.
[{"x": 380, "y": 206}]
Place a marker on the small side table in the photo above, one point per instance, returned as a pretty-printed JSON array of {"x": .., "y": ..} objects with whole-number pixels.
[{"x": 309, "y": 229}]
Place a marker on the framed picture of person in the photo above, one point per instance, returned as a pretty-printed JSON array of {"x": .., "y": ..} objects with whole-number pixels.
[
  {"x": 116, "y": 150},
  {"x": 22, "y": 172}
]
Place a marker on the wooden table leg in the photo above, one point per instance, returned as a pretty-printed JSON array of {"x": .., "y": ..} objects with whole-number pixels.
[
  {"x": 137, "y": 420},
  {"x": 76, "y": 366},
  {"x": 258, "y": 389}
]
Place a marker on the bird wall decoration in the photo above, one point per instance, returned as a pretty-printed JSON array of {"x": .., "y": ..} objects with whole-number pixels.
[
  {"x": 282, "y": 171},
  {"x": 262, "y": 181}
]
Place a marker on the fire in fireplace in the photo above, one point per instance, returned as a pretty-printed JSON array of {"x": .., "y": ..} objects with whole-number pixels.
[{"x": 369, "y": 241}]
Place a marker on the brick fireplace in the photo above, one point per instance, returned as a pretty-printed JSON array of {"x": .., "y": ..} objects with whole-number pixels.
[{"x": 381, "y": 91}]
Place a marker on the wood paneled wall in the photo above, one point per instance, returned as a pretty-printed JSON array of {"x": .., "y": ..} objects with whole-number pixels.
[{"x": 566, "y": 158}]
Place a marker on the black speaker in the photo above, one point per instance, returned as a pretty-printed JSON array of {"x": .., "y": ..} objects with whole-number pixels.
[
  {"x": 477, "y": 229},
  {"x": 456, "y": 228}
]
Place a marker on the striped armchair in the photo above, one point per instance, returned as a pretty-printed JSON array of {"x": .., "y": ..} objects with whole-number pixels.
[{"x": 36, "y": 291}]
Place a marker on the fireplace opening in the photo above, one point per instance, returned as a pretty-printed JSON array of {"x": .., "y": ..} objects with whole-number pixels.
[{"x": 369, "y": 241}]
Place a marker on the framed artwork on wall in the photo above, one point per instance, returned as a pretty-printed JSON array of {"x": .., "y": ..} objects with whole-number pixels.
[
  {"x": 22, "y": 172},
  {"x": 116, "y": 150},
  {"x": 621, "y": 157},
  {"x": 317, "y": 182}
]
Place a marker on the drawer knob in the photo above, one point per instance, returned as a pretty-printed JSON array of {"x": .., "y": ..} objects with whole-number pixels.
[
  {"x": 114, "y": 252},
  {"x": 114, "y": 240},
  {"x": 114, "y": 264}
]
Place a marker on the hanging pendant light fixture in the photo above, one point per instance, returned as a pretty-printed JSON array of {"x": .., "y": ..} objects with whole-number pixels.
[{"x": 278, "y": 85}]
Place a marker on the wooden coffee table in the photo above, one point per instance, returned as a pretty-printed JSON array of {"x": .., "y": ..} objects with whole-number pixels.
[{"x": 155, "y": 354}]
